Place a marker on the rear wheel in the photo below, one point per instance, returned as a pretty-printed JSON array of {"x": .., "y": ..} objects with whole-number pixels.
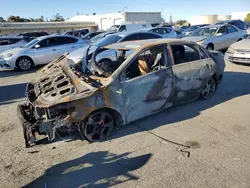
[
  {"x": 24, "y": 63},
  {"x": 98, "y": 126},
  {"x": 210, "y": 47},
  {"x": 209, "y": 89}
]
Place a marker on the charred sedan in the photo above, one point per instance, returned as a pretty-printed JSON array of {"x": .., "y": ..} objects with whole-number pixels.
[{"x": 157, "y": 74}]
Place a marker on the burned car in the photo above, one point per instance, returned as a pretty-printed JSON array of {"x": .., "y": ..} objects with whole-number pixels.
[{"x": 157, "y": 74}]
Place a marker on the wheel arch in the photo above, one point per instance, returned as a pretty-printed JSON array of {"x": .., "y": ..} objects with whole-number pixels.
[
  {"x": 114, "y": 113},
  {"x": 26, "y": 56},
  {"x": 210, "y": 44}
]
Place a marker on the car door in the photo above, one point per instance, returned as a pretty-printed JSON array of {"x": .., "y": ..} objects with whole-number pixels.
[
  {"x": 222, "y": 39},
  {"x": 233, "y": 34},
  {"x": 67, "y": 44},
  {"x": 147, "y": 83},
  {"x": 191, "y": 71},
  {"x": 47, "y": 52}
]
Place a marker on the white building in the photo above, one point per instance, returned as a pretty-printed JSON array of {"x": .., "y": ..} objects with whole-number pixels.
[
  {"x": 104, "y": 21},
  {"x": 239, "y": 15},
  {"x": 204, "y": 19}
]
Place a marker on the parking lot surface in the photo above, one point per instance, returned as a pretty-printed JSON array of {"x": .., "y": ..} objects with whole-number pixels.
[{"x": 198, "y": 144}]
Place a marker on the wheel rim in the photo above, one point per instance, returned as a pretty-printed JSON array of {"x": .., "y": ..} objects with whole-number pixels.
[
  {"x": 209, "y": 89},
  {"x": 25, "y": 64},
  {"x": 99, "y": 126}
]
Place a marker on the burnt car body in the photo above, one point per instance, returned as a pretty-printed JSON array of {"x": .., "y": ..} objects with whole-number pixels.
[{"x": 158, "y": 74}]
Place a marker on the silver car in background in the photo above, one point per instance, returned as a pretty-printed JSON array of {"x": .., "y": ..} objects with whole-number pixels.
[
  {"x": 39, "y": 51},
  {"x": 9, "y": 42},
  {"x": 110, "y": 55},
  {"x": 217, "y": 37},
  {"x": 165, "y": 32},
  {"x": 239, "y": 52}
]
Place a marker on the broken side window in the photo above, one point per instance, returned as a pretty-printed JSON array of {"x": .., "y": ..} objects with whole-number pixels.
[
  {"x": 184, "y": 53},
  {"x": 147, "y": 61}
]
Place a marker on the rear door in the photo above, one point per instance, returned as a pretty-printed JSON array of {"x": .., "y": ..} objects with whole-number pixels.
[
  {"x": 233, "y": 34},
  {"x": 192, "y": 70},
  {"x": 67, "y": 44},
  {"x": 221, "y": 39},
  {"x": 147, "y": 83}
]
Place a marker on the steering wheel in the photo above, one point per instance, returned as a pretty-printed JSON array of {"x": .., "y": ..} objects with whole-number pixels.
[{"x": 159, "y": 67}]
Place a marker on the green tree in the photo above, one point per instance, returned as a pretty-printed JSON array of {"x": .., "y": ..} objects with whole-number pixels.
[
  {"x": 11, "y": 19},
  {"x": 2, "y": 20},
  {"x": 57, "y": 18},
  {"x": 247, "y": 18},
  {"x": 181, "y": 22}
]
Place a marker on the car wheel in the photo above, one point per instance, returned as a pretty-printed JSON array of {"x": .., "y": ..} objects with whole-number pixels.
[
  {"x": 98, "y": 126},
  {"x": 210, "y": 47},
  {"x": 24, "y": 63},
  {"x": 209, "y": 89}
]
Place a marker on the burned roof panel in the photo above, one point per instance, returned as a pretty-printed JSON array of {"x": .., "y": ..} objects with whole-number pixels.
[{"x": 143, "y": 43}]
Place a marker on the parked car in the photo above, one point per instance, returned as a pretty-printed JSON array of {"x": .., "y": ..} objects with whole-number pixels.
[
  {"x": 39, "y": 51},
  {"x": 132, "y": 27},
  {"x": 179, "y": 34},
  {"x": 192, "y": 28},
  {"x": 238, "y": 23},
  {"x": 146, "y": 82},
  {"x": 91, "y": 35},
  {"x": 239, "y": 52},
  {"x": 165, "y": 32},
  {"x": 217, "y": 37},
  {"x": 9, "y": 42},
  {"x": 77, "y": 33},
  {"x": 77, "y": 55},
  {"x": 33, "y": 35},
  {"x": 183, "y": 28}
]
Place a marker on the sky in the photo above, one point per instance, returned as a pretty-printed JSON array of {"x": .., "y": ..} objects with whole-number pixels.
[{"x": 179, "y": 9}]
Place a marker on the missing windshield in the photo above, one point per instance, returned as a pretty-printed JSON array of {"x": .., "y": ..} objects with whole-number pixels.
[{"x": 102, "y": 62}]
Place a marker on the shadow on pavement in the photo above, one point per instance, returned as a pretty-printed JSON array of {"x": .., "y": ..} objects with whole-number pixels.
[
  {"x": 10, "y": 93},
  {"x": 234, "y": 84},
  {"x": 8, "y": 73},
  {"x": 96, "y": 169}
]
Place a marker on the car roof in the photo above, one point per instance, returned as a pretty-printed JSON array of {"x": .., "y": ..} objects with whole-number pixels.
[
  {"x": 140, "y": 44},
  {"x": 56, "y": 35},
  {"x": 217, "y": 25},
  {"x": 123, "y": 34},
  {"x": 12, "y": 37}
]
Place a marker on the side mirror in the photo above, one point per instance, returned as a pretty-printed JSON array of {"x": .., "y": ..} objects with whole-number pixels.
[
  {"x": 37, "y": 46},
  {"x": 218, "y": 34}
]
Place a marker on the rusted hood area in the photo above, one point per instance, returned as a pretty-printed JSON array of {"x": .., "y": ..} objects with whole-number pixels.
[{"x": 56, "y": 84}]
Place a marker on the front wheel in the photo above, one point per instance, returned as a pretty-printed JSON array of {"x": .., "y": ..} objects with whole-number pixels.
[
  {"x": 98, "y": 126},
  {"x": 24, "y": 64},
  {"x": 209, "y": 89}
]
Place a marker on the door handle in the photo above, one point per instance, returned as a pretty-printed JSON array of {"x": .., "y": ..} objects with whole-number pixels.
[{"x": 54, "y": 49}]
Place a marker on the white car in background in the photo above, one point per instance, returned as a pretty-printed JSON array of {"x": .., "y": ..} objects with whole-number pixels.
[
  {"x": 239, "y": 52},
  {"x": 217, "y": 37},
  {"x": 165, "y": 32},
  {"x": 39, "y": 51},
  {"x": 9, "y": 42}
]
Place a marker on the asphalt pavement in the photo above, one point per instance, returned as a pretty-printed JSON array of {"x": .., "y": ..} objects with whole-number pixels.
[{"x": 198, "y": 144}]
